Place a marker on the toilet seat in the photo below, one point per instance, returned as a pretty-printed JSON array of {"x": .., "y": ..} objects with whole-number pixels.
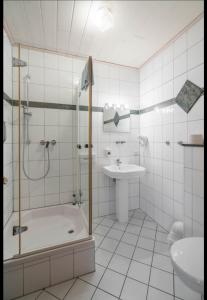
[{"x": 187, "y": 257}]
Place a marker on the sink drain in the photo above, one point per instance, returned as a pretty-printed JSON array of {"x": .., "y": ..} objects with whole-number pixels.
[{"x": 70, "y": 231}]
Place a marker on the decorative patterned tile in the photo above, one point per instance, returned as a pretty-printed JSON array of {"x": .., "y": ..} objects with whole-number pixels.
[{"x": 188, "y": 95}]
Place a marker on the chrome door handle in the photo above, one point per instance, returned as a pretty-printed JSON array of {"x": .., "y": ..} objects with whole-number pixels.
[{"x": 5, "y": 180}]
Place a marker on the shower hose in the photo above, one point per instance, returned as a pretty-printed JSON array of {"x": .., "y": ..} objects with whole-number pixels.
[{"x": 24, "y": 144}]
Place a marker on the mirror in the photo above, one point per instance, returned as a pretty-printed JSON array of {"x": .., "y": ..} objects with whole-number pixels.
[{"x": 116, "y": 118}]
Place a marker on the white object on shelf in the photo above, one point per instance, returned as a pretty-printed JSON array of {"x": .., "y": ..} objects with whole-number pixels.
[{"x": 196, "y": 139}]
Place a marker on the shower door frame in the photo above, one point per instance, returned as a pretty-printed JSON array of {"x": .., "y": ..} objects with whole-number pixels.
[{"x": 89, "y": 237}]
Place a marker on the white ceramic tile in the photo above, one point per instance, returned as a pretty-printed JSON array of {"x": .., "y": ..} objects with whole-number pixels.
[
  {"x": 119, "y": 264},
  {"x": 109, "y": 244},
  {"x": 195, "y": 33},
  {"x": 161, "y": 280},
  {"x": 46, "y": 296},
  {"x": 84, "y": 261},
  {"x": 180, "y": 64},
  {"x": 60, "y": 290},
  {"x": 139, "y": 271},
  {"x": 161, "y": 248},
  {"x": 162, "y": 262},
  {"x": 112, "y": 282},
  {"x": 147, "y": 233},
  {"x": 154, "y": 294},
  {"x": 125, "y": 250},
  {"x": 103, "y": 257},
  {"x": 132, "y": 289},
  {"x": 129, "y": 238},
  {"x": 94, "y": 277},
  {"x": 115, "y": 234},
  {"x": 102, "y": 230},
  {"x": 101, "y": 295},
  {"x": 145, "y": 243},
  {"x": 36, "y": 276},
  {"x": 143, "y": 256},
  {"x": 180, "y": 45},
  {"x": 80, "y": 291},
  {"x": 196, "y": 55},
  {"x": 133, "y": 229}
]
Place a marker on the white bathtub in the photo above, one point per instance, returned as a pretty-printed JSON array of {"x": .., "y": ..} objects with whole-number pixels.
[
  {"x": 64, "y": 256},
  {"x": 47, "y": 227}
]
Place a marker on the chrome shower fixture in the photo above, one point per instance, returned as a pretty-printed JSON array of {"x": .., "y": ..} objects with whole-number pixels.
[{"x": 143, "y": 140}]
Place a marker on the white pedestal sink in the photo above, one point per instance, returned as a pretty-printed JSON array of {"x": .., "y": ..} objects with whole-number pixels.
[{"x": 122, "y": 174}]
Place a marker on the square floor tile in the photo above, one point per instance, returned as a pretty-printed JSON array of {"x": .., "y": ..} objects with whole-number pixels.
[
  {"x": 98, "y": 220},
  {"x": 101, "y": 295},
  {"x": 139, "y": 272},
  {"x": 135, "y": 221},
  {"x": 145, "y": 243},
  {"x": 80, "y": 291},
  {"x": 115, "y": 234},
  {"x": 162, "y": 248},
  {"x": 119, "y": 226},
  {"x": 46, "y": 296},
  {"x": 148, "y": 233},
  {"x": 133, "y": 229},
  {"x": 60, "y": 290},
  {"x": 102, "y": 230},
  {"x": 129, "y": 238},
  {"x": 133, "y": 290},
  {"x": 107, "y": 222},
  {"x": 162, "y": 262},
  {"x": 94, "y": 277},
  {"x": 98, "y": 239},
  {"x": 154, "y": 294},
  {"x": 109, "y": 244},
  {"x": 103, "y": 257},
  {"x": 142, "y": 255},
  {"x": 161, "y": 229},
  {"x": 183, "y": 292},
  {"x": 161, "y": 237},
  {"x": 125, "y": 250},
  {"x": 112, "y": 282},
  {"x": 161, "y": 280},
  {"x": 150, "y": 225},
  {"x": 119, "y": 264}
]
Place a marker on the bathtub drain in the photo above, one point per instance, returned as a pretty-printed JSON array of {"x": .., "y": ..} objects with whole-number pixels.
[{"x": 71, "y": 231}]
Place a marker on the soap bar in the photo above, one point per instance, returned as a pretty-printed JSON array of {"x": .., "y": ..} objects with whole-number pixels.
[{"x": 196, "y": 139}]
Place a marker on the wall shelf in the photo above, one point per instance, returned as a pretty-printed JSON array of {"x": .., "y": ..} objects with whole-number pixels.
[{"x": 192, "y": 145}]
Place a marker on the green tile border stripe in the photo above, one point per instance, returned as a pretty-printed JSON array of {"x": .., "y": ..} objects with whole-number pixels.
[{"x": 85, "y": 107}]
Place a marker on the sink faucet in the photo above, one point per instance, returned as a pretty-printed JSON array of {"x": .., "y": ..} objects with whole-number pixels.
[{"x": 118, "y": 162}]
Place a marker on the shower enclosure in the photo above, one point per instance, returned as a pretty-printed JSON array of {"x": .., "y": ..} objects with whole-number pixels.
[{"x": 51, "y": 159}]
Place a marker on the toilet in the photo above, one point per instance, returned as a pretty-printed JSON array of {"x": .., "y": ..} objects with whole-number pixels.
[{"x": 187, "y": 257}]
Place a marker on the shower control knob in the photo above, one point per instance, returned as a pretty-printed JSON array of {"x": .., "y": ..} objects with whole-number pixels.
[
  {"x": 42, "y": 142},
  {"x": 79, "y": 146},
  {"x": 53, "y": 142}
]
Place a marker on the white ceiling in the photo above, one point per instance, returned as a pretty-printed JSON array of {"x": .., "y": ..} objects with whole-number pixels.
[{"x": 140, "y": 27}]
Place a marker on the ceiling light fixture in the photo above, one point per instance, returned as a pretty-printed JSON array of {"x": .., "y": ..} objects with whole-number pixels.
[{"x": 103, "y": 19}]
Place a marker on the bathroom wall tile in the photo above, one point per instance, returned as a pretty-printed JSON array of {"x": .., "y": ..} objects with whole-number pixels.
[
  {"x": 61, "y": 268},
  {"x": 180, "y": 64},
  {"x": 36, "y": 276},
  {"x": 84, "y": 261},
  {"x": 13, "y": 283},
  {"x": 195, "y": 33},
  {"x": 180, "y": 45},
  {"x": 195, "y": 55}
]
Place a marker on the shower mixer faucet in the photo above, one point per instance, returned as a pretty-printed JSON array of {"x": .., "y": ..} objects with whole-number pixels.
[{"x": 46, "y": 143}]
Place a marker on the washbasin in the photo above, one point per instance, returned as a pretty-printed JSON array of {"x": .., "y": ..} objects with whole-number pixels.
[{"x": 123, "y": 171}]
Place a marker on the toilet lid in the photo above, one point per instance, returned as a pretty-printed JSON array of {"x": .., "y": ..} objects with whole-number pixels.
[{"x": 188, "y": 255}]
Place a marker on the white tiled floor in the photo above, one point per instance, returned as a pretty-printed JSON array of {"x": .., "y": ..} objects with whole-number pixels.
[{"x": 132, "y": 262}]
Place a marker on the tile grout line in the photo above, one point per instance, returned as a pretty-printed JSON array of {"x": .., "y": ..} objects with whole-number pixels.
[
  {"x": 112, "y": 256},
  {"x": 151, "y": 265},
  {"x": 132, "y": 257}
]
